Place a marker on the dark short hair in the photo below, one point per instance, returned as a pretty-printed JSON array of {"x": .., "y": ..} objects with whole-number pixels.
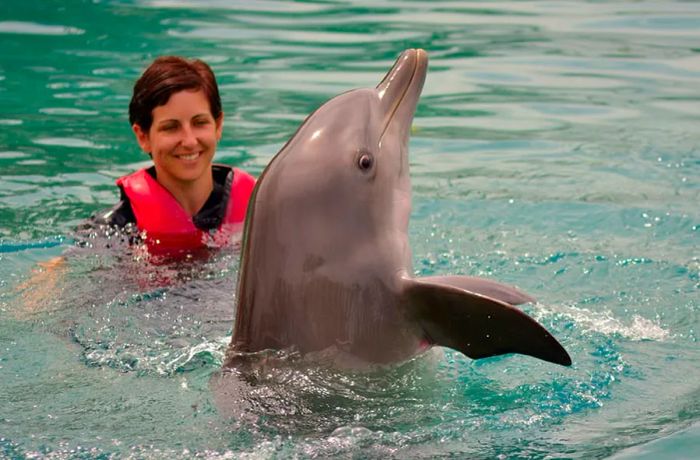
[{"x": 167, "y": 75}]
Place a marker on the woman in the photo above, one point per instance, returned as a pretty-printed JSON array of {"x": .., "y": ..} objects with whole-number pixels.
[{"x": 183, "y": 202}]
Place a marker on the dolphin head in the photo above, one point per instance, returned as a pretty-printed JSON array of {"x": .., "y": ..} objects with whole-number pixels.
[{"x": 346, "y": 167}]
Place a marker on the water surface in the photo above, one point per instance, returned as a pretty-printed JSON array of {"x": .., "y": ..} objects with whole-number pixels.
[{"x": 555, "y": 147}]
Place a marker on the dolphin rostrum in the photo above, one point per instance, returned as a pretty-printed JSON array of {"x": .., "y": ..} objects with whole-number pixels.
[{"x": 326, "y": 262}]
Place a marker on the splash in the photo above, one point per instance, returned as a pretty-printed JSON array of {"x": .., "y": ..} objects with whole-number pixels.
[{"x": 605, "y": 322}]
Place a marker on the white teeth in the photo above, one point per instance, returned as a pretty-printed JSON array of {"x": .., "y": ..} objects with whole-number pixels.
[{"x": 189, "y": 157}]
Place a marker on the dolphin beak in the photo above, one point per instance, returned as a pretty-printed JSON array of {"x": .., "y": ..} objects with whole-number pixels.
[{"x": 400, "y": 89}]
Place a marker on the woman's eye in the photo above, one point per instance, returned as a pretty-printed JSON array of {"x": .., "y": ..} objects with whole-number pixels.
[{"x": 365, "y": 162}]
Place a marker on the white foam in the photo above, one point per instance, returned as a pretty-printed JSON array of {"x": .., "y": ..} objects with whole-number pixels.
[{"x": 605, "y": 322}]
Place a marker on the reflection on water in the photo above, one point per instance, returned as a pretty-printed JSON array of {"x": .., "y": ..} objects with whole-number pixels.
[{"x": 555, "y": 147}]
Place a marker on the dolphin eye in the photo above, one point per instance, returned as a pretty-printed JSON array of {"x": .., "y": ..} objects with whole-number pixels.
[{"x": 365, "y": 162}]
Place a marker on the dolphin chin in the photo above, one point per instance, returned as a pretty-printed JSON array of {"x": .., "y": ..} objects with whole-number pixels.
[{"x": 326, "y": 262}]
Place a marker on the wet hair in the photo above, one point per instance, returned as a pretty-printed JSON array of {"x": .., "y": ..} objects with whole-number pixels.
[{"x": 168, "y": 75}]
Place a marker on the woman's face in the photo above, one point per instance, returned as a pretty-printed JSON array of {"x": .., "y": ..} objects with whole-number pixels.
[{"x": 183, "y": 137}]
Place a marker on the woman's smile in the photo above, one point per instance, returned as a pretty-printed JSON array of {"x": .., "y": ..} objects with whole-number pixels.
[{"x": 188, "y": 157}]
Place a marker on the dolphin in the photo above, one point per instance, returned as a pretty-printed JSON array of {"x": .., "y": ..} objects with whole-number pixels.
[{"x": 325, "y": 257}]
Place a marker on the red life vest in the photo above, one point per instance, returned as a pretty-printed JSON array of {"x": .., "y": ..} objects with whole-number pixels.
[{"x": 168, "y": 227}]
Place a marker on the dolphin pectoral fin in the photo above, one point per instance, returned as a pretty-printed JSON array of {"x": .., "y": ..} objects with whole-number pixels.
[
  {"x": 476, "y": 325},
  {"x": 483, "y": 286}
]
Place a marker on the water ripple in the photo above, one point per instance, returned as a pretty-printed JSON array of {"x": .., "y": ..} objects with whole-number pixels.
[{"x": 33, "y": 28}]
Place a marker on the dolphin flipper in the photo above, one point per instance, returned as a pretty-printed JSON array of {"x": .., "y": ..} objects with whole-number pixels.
[
  {"x": 483, "y": 286},
  {"x": 476, "y": 325}
]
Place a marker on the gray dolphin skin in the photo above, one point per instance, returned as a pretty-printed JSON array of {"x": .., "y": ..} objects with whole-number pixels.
[{"x": 326, "y": 262}]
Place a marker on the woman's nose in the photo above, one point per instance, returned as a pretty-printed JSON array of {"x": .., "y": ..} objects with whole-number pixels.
[{"x": 188, "y": 137}]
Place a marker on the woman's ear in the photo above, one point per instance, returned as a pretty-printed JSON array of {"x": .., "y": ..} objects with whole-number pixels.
[
  {"x": 219, "y": 126},
  {"x": 141, "y": 138}
]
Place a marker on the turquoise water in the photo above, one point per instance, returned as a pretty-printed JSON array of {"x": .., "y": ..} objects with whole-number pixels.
[{"x": 555, "y": 147}]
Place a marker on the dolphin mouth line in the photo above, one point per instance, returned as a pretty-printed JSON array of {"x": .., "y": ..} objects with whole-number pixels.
[{"x": 403, "y": 94}]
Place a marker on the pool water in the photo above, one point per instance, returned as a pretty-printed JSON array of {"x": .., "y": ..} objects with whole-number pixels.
[{"x": 555, "y": 147}]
